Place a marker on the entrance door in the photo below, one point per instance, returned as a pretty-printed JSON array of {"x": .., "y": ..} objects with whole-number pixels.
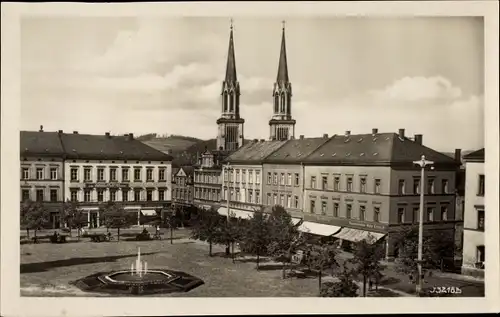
[
  {"x": 54, "y": 220},
  {"x": 93, "y": 220}
]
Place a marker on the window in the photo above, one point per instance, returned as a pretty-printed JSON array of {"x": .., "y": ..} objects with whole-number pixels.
[
  {"x": 336, "y": 209},
  {"x": 416, "y": 214},
  {"x": 289, "y": 179},
  {"x": 137, "y": 174},
  {"x": 74, "y": 173},
  {"x": 324, "y": 182},
  {"x": 53, "y": 195},
  {"x": 480, "y": 253},
  {"x": 336, "y": 183},
  {"x": 444, "y": 213},
  {"x": 257, "y": 197},
  {"x": 376, "y": 214},
  {"x": 348, "y": 210},
  {"x": 430, "y": 214},
  {"x": 161, "y": 194},
  {"x": 39, "y": 195},
  {"x": 100, "y": 195},
  {"x": 257, "y": 177},
  {"x": 416, "y": 185},
  {"x": 137, "y": 195},
  {"x": 53, "y": 173},
  {"x": 282, "y": 179},
  {"x": 323, "y": 207},
  {"x": 275, "y": 199},
  {"x": 100, "y": 174},
  {"x": 86, "y": 174},
  {"x": 401, "y": 187},
  {"x": 401, "y": 215},
  {"x": 377, "y": 186},
  {"x": 86, "y": 195},
  {"x": 249, "y": 197},
  {"x": 149, "y": 195},
  {"x": 296, "y": 201},
  {"x": 313, "y": 206},
  {"x": 124, "y": 194},
  {"x": 289, "y": 201},
  {"x": 269, "y": 178},
  {"x": 39, "y": 173},
  {"x": 269, "y": 202},
  {"x": 237, "y": 176},
  {"x": 25, "y": 173},
  {"x": 25, "y": 195},
  {"x": 275, "y": 178},
  {"x": 74, "y": 195},
  {"x": 282, "y": 200},
  {"x": 362, "y": 185},
  {"x": 296, "y": 179},
  {"x": 112, "y": 174},
  {"x": 238, "y": 197},
  {"x": 480, "y": 191},
  {"x": 112, "y": 195},
  {"x": 149, "y": 174},
  {"x": 161, "y": 174},
  {"x": 444, "y": 186},
  {"x": 313, "y": 182},
  {"x": 362, "y": 212},
  {"x": 125, "y": 175},
  {"x": 480, "y": 219},
  {"x": 250, "y": 176},
  {"x": 349, "y": 184},
  {"x": 243, "y": 176},
  {"x": 430, "y": 186}
]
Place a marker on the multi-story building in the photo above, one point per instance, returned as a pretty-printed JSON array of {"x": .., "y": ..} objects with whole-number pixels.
[
  {"x": 182, "y": 186},
  {"x": 101, "y": 168},
  {"x": 367, "y": 184},
  {"x": 243, "y": 177},
  {"x": 42, "y": 172},
  {"x": 283, "y": 173},
  {"x": 207, "y": 180},
  {"x": 473, "y": 246}
]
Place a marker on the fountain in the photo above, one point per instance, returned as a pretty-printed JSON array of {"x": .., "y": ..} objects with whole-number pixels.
[{"x": 138, "y": 280}]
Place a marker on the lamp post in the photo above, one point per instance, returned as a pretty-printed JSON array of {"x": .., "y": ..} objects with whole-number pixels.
[
  {"x": 227, "y": 168},
  {"x": 422, "y": 163}
]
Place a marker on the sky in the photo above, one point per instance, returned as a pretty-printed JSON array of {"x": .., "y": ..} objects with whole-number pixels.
[{"x": 163, "y": 75}]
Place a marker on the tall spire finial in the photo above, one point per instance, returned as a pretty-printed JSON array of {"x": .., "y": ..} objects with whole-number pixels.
[
  {"x": 231, "y": 24},
  {"x": 282, "y": 67},
  {"x": 231, "y": 63},
  {"x": 283, "y": 22}
]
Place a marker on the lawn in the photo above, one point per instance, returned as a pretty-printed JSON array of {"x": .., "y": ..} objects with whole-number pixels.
[{"x": 46, "y": 269}]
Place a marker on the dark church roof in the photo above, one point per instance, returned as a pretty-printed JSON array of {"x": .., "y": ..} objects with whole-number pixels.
[
  {"x": 231, "y": 61},
  {"x": 283, "y": 65}
]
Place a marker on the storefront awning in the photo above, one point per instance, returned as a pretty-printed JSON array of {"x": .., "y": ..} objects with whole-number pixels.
[
  {"x": 296, "y": 221},
  {"x": 148, "y": 212},
  {"x": 355, "y": 235},
  {"x": 318, "y": 228},
  {"x": 237, "y": 213}
]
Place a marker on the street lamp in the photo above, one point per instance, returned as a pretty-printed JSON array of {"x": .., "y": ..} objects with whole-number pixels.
[
  {"x": 227, "y": 168},
  {"x": 422, "y": 163}
]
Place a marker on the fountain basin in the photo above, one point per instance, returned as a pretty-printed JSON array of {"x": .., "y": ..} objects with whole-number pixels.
[{"x": 152, "y": 276}]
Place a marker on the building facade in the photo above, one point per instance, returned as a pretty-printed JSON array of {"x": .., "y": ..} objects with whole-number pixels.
[
  {"x": 368, "y": 185},
  {"x": 42, "y": 172},
  {"x": 102, "y": 168},
  {"x": 183, "y": 186},
  {"x": 474, "y": 215},
  {"x": 282, "y": 125},
  {"x": 208, "y": 180}
]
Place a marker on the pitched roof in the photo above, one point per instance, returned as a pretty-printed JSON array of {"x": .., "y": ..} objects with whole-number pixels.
[
  {"x": 283, "y": 65},
  {"x": 40, "y": 143},
  {"x": 188, "y": 170},
  {"x": 295, "y": 151},
  {"x": 475, "y": 156},
  {"x": 175, "y": 170},
  {"x": 381, "y": 148},
  {"x": 78, "y": 146},
  {"x": 254, "y": 152},
  {"x": 231, "y": 60}
]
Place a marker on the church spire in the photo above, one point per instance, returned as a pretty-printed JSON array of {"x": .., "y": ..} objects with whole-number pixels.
[
  {"x": 283, "y": 65},
  {"x": 231, "y": 60}
]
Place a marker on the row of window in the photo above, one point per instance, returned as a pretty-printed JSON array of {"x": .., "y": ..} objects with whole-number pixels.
[
  {"x": 180, "y": 193},
  {"x": 113, "y": 172},
  {"x": 252, "y": 196},
  {"x": 181, "y": 181},
  {"x": 250, "y": 176},
  {"x": 431, "y": 184},
  {"x": 113, "y": 195},
  {"x": 272, "y": 179},
  {"x": 40, "y": 195},
  {"x": 207, "y": 178},
  {"x": 207, "y": 194},
  {"x": 39, "y": 173},
  {"x": 285, "y": 201}
]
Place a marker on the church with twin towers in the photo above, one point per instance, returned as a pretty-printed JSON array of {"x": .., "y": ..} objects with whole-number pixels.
[{"x": 230, "y": 125}]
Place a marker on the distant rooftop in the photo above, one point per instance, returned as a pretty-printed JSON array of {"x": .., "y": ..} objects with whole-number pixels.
[
  {"x": 475, "y": 156},
  {"x": 254, "y": 152}
]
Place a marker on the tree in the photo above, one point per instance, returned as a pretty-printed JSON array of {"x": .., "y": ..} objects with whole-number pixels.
[
  {"x": 206, "y": 227},
  {"x": 366, "y": 260},
  {"x": 229, "y": 233},
  {"x": 344, "y": 287},
  {"x": 285, "y": 236},
  {"x": 321, "y": 258},
  {"x": 256, "y": 236},
  {"x": 170, "y": 222},
  {"x": 73, "y": 216},
  {"x": 114, "y": 216},
  {"x": 34, "y": 216}
]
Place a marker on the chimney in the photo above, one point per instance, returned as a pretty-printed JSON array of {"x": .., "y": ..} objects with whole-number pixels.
[
  {"x": 255, "y": 140},
  {"x": 325, "y": 136},
  {"x": 374, "y": 131},
  {"x": 107, "y": 134},
  {"x": 41, "y": 128},
  {"x": 347, "y": 133},
  {"x": 75, "y": 132},
  {"x": 262, "y": 140},
  {"x": 302, "y": 137},
  {"x": 130, "y": 136},
  {"x": 418, "y": 139},
  {"x": 458, "y": 155},
  {"x": 60, "y": 131},
  {"x": 401, "y": 133}
]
